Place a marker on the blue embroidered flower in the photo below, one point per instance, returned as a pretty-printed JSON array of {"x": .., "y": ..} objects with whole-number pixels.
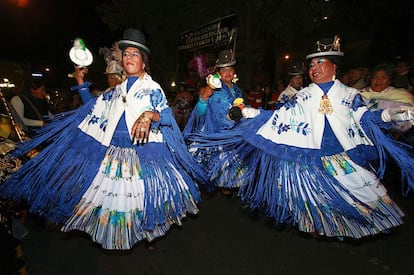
[
  {"x": 302, "y": 127},
  {"x": 156, "y": 97},
  {"x": 283, "y": 128},
  {"x": 103, "y": 124},
  {"x": 305, "y": 129},
  {"x": 285, "y": 98},
  {"x": 140, "y": 94},
  {"x": 108, "y": 95},
  {"x": 274, "y": 120},
  {"x": 94, "y": 119},
  {"x": 290, "y": 103}
]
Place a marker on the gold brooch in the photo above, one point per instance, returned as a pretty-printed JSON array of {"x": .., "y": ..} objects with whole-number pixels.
[{"x": 325, "y": 105}]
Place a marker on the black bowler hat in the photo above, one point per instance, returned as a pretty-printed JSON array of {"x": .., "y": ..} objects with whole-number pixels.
[
  {"x": 295, "y": 68},
  {"x": 225, "y": 59},
  {"x": 329, "y": 48},
  {"x": 133, "y": 38}
]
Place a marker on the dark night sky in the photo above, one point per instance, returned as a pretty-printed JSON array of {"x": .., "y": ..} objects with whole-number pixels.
[{"x": 41, "y": 32}]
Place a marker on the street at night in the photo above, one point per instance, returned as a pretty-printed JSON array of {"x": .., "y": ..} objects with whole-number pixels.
[{"x": 225, "y": 239}]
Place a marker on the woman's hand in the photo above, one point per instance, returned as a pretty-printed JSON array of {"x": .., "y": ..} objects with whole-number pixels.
[
  {"x": 80, "y": 74},
  {"x": 205, "y": 92},
  {"x": 141, "y": 128}
]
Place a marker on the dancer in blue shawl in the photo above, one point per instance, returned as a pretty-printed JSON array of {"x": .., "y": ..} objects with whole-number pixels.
[
  {"x": 210, "y": 115},
  {"x": 308, "y": 163},
  {"x": 117, "y": 168}
]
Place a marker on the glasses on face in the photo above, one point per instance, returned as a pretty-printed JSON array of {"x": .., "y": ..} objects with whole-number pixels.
[{"x": 130, "y": 54}]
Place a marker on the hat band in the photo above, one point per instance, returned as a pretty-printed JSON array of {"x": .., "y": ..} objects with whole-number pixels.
[
  {"x": 226, "y": 64},
  {"x": 139, "y": 45},
  {"x": 328, "y": 53}
]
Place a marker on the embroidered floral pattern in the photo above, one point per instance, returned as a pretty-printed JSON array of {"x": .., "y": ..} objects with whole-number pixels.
[
  {"x": 354, "y": 131},
  {"x": 108, "y": 95},
  {"x": 298, "y": 127},
  {"x": 156, "y": 97},
  {"x": 289, "y": 103},
  {"x": 103, "y": 122}
]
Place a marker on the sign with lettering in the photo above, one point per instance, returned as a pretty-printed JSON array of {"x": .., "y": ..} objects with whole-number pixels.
[
  {"x": 198, "y": 49},
  {"x": 215, "y": 34}
]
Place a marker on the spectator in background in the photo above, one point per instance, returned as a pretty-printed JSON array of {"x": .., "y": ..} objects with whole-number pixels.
[
  {"x": 280, "y": 85},
  {"x": 32, "y": 107},
  {"x": 295, "y": 78},
  {"x": 346, "y": 77},
  {"x": 182, "y": 105},
  {"x": 381, "y": 95},
  {"x": 357, "y": 78},
  {"x": 113, "y": 74},
  {"x": 401, "y": 77},
  {"x": 269, "y": 98},
  {"x": 255, "y": 97}
]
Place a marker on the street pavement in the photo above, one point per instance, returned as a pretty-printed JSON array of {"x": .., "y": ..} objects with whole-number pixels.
[{"x": 224, "y": 238}]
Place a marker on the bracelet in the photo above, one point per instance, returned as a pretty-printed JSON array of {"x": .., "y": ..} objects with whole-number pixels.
[{"x": 144, "y": 118}]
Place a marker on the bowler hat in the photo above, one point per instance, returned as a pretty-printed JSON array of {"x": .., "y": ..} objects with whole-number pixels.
[
  {"x": 295, "y": 68},
  {"x": 225, "y": 59},
  {"x": 329, "y": 48},
  {"x": 133, "y": 38}
]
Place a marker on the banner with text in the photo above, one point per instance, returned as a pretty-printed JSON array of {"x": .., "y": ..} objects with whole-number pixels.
[{"x": 199, "y": 48}]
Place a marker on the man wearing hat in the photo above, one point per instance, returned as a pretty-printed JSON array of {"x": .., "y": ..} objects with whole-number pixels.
[
  {"x": 308, "y": 163},
  {"x": 295, "y": 78},
  {"x": 117, "y": 168}
]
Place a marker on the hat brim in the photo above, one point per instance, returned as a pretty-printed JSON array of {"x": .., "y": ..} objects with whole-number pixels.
[
  {"x": 81, "y": 57},
  {"x": 120, "y": 74},
  {"x": 294, "y": 74},
  {"x": 123, "y": 44},
  {"x": 328, "y": 53},
  {"x": 232, "y": 63}
]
